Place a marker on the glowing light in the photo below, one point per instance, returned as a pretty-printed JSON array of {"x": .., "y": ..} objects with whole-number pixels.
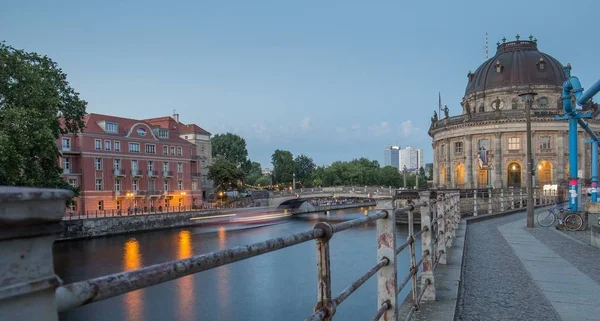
[
  {"x": 514, "y": 167},
  {"x": 212, "y": 216},
  {"x": 540, "y": 166},
  {"x": 132, "y": 260}
]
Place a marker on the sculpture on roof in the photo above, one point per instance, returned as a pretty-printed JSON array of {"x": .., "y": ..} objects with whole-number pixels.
[
  {"x": 434, "y": 118},
  {"x": 446, "y": 112}
]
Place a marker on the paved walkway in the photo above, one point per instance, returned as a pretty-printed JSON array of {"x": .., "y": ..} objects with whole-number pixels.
[{"x": 515, "y": 273}]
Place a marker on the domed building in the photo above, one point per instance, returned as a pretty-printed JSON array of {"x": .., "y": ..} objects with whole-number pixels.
[{"x": 486, "y": 144}]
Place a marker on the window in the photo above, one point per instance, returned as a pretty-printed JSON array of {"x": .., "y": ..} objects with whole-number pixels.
[
  {"x": 515, "y": 103},
  {"x": 107, "y": 145},
  {"x": 163, "y": 133},
  {"x": 165, "y": 166},
  {"x": 458, "y": 147},
  {"x": 172, "y": 150},
  {"x": 150, "y": 149},
  {"x": 165, "y": 150},
  {"x": 545, "y": 144},
  {"x": 134, "y": 185},
  {"x": 203, "y": 163},
  {"x": 514, "y": 143},
  {"x": 118, "y": 203},
  {"x": 66, "y": 162},
  {"x": 98, "y": 144},
  {"x": 166, "y": 186},
  {"x": 98, "y": 163},
  {"x": 66, "y": 144},
  {"x": 117, "y": 185},
  {"x": 134, "y": 147},
  {"x": 73, "y": 182},
  {"x": 186, "y": 137},
  {"x": 100, "y": 205},
  {"x": 179, "y": 151},
  {"x": 112, "y": 127},
  {"x": 194, "y": 185},
  {"x": 134, "y": 165},
  {"x": 203, "y": 149},
  {"x": 150, "y": 165},
  {"x": 180, "y": 185},
  {"x": 151, "y": 185},
  {"x": 99, "y": 184},
  {"x": 179, "y": 167},
  {"x": 117, "y": 164},
  {"x": 117, "y": 146},
  {"x": 443, "y": 150}
]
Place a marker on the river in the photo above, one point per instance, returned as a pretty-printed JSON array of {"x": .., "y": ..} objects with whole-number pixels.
[{"x": 275, "y": 286}]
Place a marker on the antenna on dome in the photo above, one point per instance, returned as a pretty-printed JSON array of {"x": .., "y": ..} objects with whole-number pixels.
[{"x": 486, "y": 46}]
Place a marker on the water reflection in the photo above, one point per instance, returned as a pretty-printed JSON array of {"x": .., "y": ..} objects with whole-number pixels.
[
  {"x": 185, "y": 285},
  {"x": 133, "y": 301},
  {"x": 223, "y": 280}
]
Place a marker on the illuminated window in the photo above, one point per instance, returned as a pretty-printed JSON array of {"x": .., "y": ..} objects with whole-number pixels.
[{"x": 514, "y": 143}]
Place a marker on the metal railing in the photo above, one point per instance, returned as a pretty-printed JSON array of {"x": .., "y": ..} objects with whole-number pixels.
[
  {"x": 359, "y": 190},
  {"x": 441, "y": 221}
]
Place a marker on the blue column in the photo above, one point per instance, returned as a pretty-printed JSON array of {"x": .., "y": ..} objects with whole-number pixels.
[
  {"x": 595, "y": 171},
  {"x": 573, "y": 163}
]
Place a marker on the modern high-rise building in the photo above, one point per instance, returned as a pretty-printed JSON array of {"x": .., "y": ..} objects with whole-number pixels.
[
  {"x": 391, "y": 156},
  {"x": 412, "y": 158}
]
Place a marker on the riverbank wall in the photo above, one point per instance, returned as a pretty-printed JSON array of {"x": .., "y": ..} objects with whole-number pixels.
[{"x": 116, "y": 225}]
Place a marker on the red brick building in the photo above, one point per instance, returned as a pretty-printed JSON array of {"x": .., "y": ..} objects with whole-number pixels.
[{"x": 121, "y": 163}]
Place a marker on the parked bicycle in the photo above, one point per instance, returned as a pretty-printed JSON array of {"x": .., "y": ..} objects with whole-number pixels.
[{"x": 571, "y": 221}]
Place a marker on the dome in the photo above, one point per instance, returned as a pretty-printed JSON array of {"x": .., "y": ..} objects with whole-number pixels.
[{"x": 516, "y": 63}]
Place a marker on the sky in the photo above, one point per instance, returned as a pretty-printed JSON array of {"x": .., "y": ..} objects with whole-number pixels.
[{"x": 334, "y": 80}]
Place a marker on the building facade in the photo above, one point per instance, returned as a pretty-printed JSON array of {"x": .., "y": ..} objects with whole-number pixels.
[
  {"x": 122, "y": 163},
  {"x": 486, "y": 144},
  {"x": 197, "y": 136},
  {"x": 391, "y": 156},
  {"x": 411, "y": 158}
]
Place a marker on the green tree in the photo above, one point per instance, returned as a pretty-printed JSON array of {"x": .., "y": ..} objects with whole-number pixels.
[
  {"x": 224, "y": 174},
  {"x": 430, "y": 172},
  {"x": 283, "y": 166},
  {"x": 304, "y": 168},
  {"x": 231, "y": 147},
  {"x": 263, "y": 181},
  {"x": 37, "y": 105}
]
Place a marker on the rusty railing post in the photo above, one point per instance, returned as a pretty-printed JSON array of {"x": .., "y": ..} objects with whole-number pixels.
[
  {"x": 441, "y": 238},
  {"x": 387, "y": 276},
  {"x": 427, "y": 247},
  {"x": 29, "y": 223},
  {"x": 324, "y": 271},
  {"x": 475, "y": 203},
  {"x": 512, "y": 198},
  {"x": 502, "y": 200},
  {"x": 413, "y": 260},
  {"x": 449, "y": 219},
  {"x": 456, "y": 216},
  {"x": 521, "y": 204},
  {"x": 490, "y": 209}
]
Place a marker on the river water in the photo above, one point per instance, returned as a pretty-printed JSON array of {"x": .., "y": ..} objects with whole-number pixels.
[{"x": 275, "y": 286}]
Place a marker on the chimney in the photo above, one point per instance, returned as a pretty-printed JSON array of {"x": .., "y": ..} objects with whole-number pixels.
[{"x": 175, "y": 115}]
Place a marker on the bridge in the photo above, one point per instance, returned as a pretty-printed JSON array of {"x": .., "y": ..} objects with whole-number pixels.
[
  {"x": 297, "y": 199},
  {"x": 501, "y": 254}
]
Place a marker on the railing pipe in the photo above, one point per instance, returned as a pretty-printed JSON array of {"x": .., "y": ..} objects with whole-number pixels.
[
  {"x": 411, "y": 248},
  {"x": 324, "y": 271},
  {"x": 387, "y": 275}
]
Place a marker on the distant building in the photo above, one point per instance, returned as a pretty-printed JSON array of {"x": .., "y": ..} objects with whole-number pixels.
[
  {"x": 267, "y": 171},
  {"x": 412, "y": 158},
  {"x": 391, "y": 156}
]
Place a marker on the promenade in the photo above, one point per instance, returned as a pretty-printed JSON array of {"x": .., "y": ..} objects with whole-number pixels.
[{"x": 513, "y": 273}]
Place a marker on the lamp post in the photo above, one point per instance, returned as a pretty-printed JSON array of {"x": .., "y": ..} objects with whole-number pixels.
[
  {"x": 528, "y": 98},
  {"x": 294, "y": 181}
]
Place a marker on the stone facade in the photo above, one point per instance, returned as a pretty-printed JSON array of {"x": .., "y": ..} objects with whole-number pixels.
[{"x": 492, "y": 127}]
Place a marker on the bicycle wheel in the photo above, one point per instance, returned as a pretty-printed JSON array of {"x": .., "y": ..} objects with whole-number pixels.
[
  {"x": 573, "y": 222},
  {"x": 546, "y": 218}
]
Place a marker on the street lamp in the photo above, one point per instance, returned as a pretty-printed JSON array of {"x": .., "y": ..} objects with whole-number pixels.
[
  {"x": 294, "y": 181},
  {"x": 528, "y": 98}
]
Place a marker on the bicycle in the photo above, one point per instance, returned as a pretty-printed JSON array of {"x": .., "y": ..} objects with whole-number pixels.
[{"x": 571, "y": 222}]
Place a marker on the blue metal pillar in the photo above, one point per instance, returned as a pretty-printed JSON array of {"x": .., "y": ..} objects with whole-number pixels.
[
  {"x": 573, "y": 164},
  {"x": 595, "y": 172}
]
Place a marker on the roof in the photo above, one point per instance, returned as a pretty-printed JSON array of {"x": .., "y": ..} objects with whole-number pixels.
[
  {"x": 125, "y": 125},
  {"x": 177, "y": 126},
  {"x": 516, "y": 63}
]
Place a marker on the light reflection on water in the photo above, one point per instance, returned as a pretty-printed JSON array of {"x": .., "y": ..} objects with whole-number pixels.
[
  {"x": 273, "y": 286},
  {"x": 132, "y": 260}
]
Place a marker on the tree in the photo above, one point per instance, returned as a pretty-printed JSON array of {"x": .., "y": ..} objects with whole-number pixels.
[
  {"x": 263, "y": 181},
  {"x": 224, "y": 174},
  {"x": 304, "y": 168},
  {"x": 431, "y": 172},
  {"x": 231, "y": 147},
  {"x": 283, "y": 166},
  {"x": 37, "y": 105}
]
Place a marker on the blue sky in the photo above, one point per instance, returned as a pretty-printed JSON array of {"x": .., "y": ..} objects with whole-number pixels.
[{"x": 335, "y": 80}]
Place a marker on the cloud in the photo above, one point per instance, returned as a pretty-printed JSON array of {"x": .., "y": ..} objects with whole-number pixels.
[
  {"x": 305, "y": 124},
  {"x": 379, "y": 130},
  {"x": 407, "y": 128},
  {"x": 260, "y": 131}
]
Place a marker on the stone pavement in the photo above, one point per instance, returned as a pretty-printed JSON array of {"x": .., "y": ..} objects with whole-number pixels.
[{"x": 514, "y": 273}]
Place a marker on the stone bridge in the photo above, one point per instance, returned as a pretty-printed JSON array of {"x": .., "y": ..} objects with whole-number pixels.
[{"x": 297, "y": 199}]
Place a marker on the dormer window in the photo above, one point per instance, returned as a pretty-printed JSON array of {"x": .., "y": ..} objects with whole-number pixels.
[
  {"x": 481, "y": 108},
  {"x": 541, "y": 64},
  {"x": 110, "y": 127},
  {"x": 499, "y": 67},
  {"x": 163, "y": 133}
]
